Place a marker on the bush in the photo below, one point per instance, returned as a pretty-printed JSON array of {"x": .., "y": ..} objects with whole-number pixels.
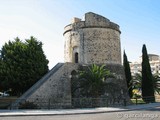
[{"x": 28, "y": 105}]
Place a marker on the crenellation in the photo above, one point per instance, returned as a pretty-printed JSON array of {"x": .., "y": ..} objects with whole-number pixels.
[
  {"x": 92, "y": 20},
  {"x": 75, "y": 20}
]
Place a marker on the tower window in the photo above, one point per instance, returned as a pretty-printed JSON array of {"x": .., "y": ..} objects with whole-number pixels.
[{"x": 76, "y": 57}]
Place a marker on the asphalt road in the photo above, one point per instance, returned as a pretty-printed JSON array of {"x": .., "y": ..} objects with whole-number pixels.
[{"x": 149, "y": 114}]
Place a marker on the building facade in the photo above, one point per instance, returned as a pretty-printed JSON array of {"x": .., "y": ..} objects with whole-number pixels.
[{"x": 154, "y": 61}]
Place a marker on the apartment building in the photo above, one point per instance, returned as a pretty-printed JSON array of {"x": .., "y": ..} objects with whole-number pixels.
[{"x": 154, "y": 61}]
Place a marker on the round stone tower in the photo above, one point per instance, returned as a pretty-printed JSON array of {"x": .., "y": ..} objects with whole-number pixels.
[
  {"x": 96, "y": 40},
  {"x": 93, "y": 40}
]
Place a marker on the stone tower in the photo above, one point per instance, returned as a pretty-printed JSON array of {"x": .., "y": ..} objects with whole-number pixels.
[
  {"x": 93, "y": 40},
  {"x": 96, "y": 40}
]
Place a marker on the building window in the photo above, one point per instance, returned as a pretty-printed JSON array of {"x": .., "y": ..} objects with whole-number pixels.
[{"x": 76, "y": 57}]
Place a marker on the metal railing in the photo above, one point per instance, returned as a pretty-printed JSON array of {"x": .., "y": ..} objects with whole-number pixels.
[{"x": 144, "y": 100}]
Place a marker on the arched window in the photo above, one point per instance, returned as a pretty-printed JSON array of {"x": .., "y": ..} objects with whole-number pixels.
[{"x": 76, "y": 57}]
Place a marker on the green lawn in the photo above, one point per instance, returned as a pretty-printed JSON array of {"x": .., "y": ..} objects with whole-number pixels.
[{"x": 139, "y": 101}]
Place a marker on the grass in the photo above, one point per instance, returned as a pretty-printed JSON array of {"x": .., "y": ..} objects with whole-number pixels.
[
  {"x": 5, "y": 102},
  {"x": 139, "y": 101}
]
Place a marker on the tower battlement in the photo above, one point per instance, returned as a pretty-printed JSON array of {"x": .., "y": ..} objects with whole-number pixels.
[{"x": 92, "y": 20}]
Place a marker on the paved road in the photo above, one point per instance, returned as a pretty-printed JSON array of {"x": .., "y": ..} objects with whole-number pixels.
[{"x": 149, "y": 114}]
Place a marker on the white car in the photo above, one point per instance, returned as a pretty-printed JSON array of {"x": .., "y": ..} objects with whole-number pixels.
[{"x": 3, "y": 94}]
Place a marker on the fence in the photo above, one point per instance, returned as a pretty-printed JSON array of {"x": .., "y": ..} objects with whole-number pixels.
[{"x": 144, "y": 100}]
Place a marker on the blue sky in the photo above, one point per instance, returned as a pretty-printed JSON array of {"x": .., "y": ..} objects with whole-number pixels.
[{"x": 139, "y": 22}]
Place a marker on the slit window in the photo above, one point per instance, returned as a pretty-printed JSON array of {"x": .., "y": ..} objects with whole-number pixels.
[{"x": 76, "y": 57}]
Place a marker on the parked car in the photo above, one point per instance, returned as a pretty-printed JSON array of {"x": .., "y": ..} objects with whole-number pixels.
[{"x": 3, "y": 94}]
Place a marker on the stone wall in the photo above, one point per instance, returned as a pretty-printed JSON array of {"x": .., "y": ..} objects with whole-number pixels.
[
  {"x": 54, "y": 92},
  {"x": 115, "y": 91},
  {"x": 96, "y": 40}
]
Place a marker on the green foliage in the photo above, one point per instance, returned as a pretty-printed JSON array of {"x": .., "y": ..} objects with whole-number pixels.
[
  {"x": 137, "y": 82},
  {"x": 127, "y": 74},
  {"x": 21, "y": 65},
  {"x": 28, "y": 105},
  {"x": 92, "y": 80},
  {"x": 147, "y": 81},
  {"x": 156, "y": 83}
]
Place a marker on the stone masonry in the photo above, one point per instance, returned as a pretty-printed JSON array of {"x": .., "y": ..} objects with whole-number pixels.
[
  {"x": 94, "y": 40},
  {"x": 51, "y": 91}
]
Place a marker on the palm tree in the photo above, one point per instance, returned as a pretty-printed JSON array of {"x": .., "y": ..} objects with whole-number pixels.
[
  {"x": 156, "y": 83},
  {"x": 137, "y": 82},
  {"x": 92, "y": 80}
]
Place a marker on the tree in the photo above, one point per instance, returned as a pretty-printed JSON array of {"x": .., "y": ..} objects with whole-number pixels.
[
  {"x": 156, "y": 83},
  {"x": 23, "y": 64},
  {"x": 92, "y": 80},
  {"x": 147, "y": 81},
  {"x": 127, "y": 74},
  {"x": 137, "y": 82}
]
